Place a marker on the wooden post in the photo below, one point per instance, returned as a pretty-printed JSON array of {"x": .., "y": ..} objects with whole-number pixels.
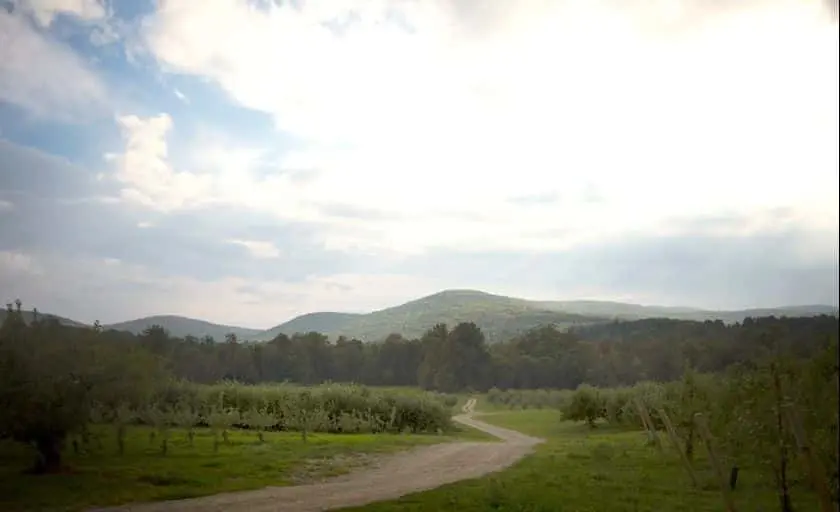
[
  {"x": 641, "y": 416},
  {"x": 643, "y": 412},
  {"x": 672, "y": 434},
  {"x": 817, "y": 473},
  {"x": 703, "y": 430}
]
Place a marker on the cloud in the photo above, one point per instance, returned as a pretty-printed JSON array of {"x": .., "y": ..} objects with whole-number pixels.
[
  {"x": 693, "y": 268},
  {"x": 181, "y": 96},
  {"x": 45, "y": 11},
  {"x": 44, "y": 77},
  {"x": 61, "y": 242},
  {"x": 664, "y": 152},
  {"x": 14, "y": 262},
  {"x": 145, "y": 171},
  {"x": 259, "y": 249},
  {"x": 443, "y": 115}
]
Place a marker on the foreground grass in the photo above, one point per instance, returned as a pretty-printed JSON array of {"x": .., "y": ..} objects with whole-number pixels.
[
  {"x": 102, "y": 477},
  {"x": 579, "y": 469}
]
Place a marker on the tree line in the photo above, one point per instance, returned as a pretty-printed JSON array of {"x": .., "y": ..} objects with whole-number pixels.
[{"x": 458, "y": 358}]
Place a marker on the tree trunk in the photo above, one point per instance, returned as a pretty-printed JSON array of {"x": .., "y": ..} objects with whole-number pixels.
[
  {"x": 49, "y": 454},
  {"x": 689, "y": 443},
  {"x": 781, "y": 474}
]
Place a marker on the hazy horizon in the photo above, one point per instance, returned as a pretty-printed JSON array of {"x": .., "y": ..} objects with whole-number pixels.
[
  {"x": 362, "y": 312},
  {"x": 244, "y": 162}
]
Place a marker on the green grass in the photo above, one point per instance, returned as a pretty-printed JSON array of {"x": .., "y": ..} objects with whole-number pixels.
[
  {"x": 578, "y": 469},
  {"x": 102, "y": 477}
]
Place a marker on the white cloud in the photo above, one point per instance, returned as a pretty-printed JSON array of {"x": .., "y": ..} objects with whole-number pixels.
[
  {"x": 667, "y": 109},
  {"x": 144, "y": 170},
  {"x": 43, "y": 76},
  {"x": 259, "y": 249},
  {"x": 181, "y": 96},
  {"x": 6, "y": 206},
  {"x": 16, "y": 262},
  {"x": 45, "y": 11}
]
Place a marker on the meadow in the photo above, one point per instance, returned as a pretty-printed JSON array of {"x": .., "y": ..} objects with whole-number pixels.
[
  {"x": 761, "y": 436},
  {"x": 583, "y": 469},
  {"x": 192, "y": 440}
]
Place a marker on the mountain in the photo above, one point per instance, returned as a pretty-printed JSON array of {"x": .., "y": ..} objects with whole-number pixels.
[
  {"x": 29, "y": 315},
  {"x": 499, "y": 317},
  {"x": 181, "y": 326},
  {"x": 326, "y": 322},
  {"x": 626, "y": 311},
  {"x": 615, "y": 309},
  {"x": 503, "y": 317}
]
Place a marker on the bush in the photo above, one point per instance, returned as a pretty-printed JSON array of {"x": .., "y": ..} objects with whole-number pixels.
[
  {"x": 587, "y": 404},
  {"x": 332, "y": 408}
]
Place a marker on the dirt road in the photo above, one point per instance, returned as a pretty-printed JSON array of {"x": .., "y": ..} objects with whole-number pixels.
[{"x": 394, "y": 476}]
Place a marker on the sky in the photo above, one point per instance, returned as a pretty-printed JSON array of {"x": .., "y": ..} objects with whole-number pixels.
[{"x": 243, "y": 162}]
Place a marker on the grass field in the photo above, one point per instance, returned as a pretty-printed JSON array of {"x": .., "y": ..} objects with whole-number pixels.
[
  {"x": 102, "y": 477},
  {"x": 579, "y": 469}
]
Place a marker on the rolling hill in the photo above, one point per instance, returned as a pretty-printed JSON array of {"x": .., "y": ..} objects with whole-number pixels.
[
  {"x": 326, "y": 322},
  {"x": 181, "y": 326},
  {"x": 626, "y": 311},
  {"x": 28, "y": 315},
  {"x": 500, "y": 317},
  {"x": 503, "y": 317}
]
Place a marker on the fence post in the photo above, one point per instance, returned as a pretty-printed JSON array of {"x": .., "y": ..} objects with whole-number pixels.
[
  {"x": 818, "y": 477},
  {"x": 703, "y": 430},
  {"x": 643, "y": 412},
  {"x": 672, "y": 434}
]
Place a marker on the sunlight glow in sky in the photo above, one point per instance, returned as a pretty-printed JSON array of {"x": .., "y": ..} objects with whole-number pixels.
[{"x": 243, "y": 162}]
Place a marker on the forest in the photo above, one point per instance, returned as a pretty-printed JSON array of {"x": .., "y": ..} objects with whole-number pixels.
[{"x": 458, "y": 358}]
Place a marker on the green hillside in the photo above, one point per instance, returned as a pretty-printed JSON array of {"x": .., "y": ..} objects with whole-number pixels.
[
  {"x": 181, "y": 326},
  {"x": 319, "y": 322},
  {"x": 499, "y": 317}
]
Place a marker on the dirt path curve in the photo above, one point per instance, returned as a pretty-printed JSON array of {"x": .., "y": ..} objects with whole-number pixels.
[{"x": 415, "y": 470}]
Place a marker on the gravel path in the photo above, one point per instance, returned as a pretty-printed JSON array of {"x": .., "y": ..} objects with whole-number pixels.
[{"x": 415, "y": 470}]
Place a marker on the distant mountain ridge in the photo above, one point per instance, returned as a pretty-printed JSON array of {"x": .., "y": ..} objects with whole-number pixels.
[
  {"x": 180, "y": 326},
  {"x": 628, "y": 311},
  {"x": 28, "y": 315},
  {"x": 500, "y": 317}
]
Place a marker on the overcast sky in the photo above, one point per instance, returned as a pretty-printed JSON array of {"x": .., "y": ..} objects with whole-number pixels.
[{"x": 244, "y": 162}]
